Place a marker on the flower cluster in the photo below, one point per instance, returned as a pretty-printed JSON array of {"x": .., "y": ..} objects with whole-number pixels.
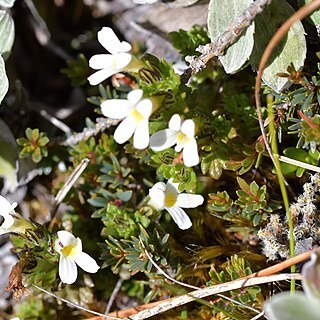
[{"x": 135, "y": 111}]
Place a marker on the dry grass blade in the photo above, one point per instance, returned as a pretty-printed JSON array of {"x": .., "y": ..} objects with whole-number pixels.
[
  {"x": 77, "y": 306},
  {"x": 209, "y": 291}
]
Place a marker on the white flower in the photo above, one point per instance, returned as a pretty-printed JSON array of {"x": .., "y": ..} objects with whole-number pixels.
[
  {"x": 181, "y": 134},
  {"x": 109, "y": 64},
  {"x": 167, "y": 196},
  {"x": 135, "y": 112},
  {"x": 6, "y": 209},
  {"x": 70, "y": 249}
]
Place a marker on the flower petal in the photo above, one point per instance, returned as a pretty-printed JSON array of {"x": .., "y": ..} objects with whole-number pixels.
[
  {"x": 116, "y": 108},
  {"x": 187, "y": 200},
  {"x": 144, "y": 107},
  {"x": 188, "y": 128},
  {"x": 67, "y": 270},
  {"x": 4, "y": 231},
  {"x": 172, "y": 186},
  {"x": 100, "y": 76},
  {"x": 85, "y": 262},
  {"x": 157, "y": 195},
  {"x": 111, "y": 63},
  {"x": 125, "y": 130},
  {"x": 102, "y": 61},
  {"x": 65, "y": 237},
  {"x": 111, "y": 42},
  {"x": 190, "y": 154},
  {"x": 121, "y": 60},
  {"x": 6, "y": 207},
  {"x": 163, "y": 139},
  {"x": 160, "y": 186},
  {"x": 141, "y": 135},
  {"x": 180, "y": 217},
  {"x": 135, "y": 96},
  {"x": 175, "y": 122},
  {"x": 8, "y": 222}
]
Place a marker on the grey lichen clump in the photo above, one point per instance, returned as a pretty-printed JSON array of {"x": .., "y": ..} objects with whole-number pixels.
[{"x": 305, "y": 216}]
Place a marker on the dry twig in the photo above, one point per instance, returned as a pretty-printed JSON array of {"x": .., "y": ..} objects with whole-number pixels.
[{"x": 227, "y": 38}]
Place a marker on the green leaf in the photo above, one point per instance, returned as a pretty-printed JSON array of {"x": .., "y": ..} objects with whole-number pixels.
[
  {"x": 7, "y": 3},
  {"x": 98, "y": 202},
  {"x": 187, "y": 41},
  {"x": 286, "y": 306},
  {"x": 36, "y": 155},
  {"x": 8, "y": 158},
  {"x": 315, "y": 16},
  {"x": 125, "y": 195},
  {"x": 292, "y": 49},
  {"x": 243, "y": 185},
  {"x": 43, "y": 141},
  {"x": 28, "y": 133},
  {"x": 35, "y": 134},
  {"x": 221, "y": 15},
  {"x": 4, "y": 83},
  {"x": 6, "y": 33}
]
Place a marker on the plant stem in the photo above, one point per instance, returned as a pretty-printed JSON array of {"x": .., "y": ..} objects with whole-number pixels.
[{"x": 274, "y": 148}]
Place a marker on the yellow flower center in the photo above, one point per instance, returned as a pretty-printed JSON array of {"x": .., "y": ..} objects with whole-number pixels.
[
  {"x": 136, "y": 116},
  {"x": 182, "y": 138},
  {"x": 170, "y": 199},
  {"x": 71, "y": 250}
]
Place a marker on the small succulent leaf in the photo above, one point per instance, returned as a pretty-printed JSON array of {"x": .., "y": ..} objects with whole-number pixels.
[
  {"x": 221, "y": 14},
  {"x": 286, "y": 306},
  {"x": 43, "y": 141},
  {"x": 243, "y": 185},
  {"x": 35, "y": 134},
  {"x": 98, "y": 202},
  {"x": 291, "y": 50},
  {"x": 125, "y": 195},
  {"x": 6, "y": 33},
  {"x": 21, "y": 141},
  {"x": 36, "y": 155},
  {"x": 254, "y": 188},
  {"x": 44, "y": 151},
  {"x": 215, "y": 169},
  {"x": 29, "y": 133},
  {"x": 4, "y": 83}
]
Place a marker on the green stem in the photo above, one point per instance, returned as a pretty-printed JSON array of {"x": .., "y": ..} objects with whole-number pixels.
[{"x": 274, "y": 147}]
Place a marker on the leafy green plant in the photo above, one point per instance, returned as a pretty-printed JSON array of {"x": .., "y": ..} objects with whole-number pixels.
[{"x": 34, "y": 145}]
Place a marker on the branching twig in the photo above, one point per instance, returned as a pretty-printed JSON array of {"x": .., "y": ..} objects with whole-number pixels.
[
  {"x": 227, "y": 38},
  {"x": 101, "y": 125}
]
